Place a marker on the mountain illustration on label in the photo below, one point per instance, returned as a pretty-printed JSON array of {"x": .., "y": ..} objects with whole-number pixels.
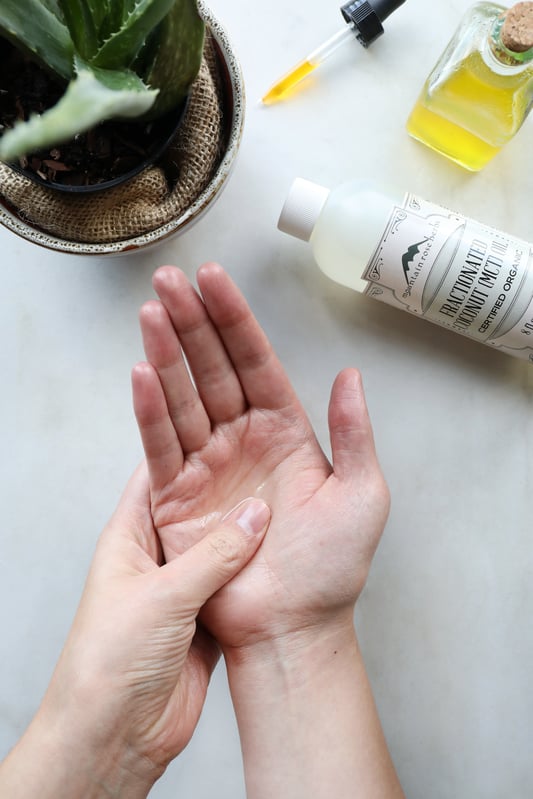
[{"x": 409, "y": 256}]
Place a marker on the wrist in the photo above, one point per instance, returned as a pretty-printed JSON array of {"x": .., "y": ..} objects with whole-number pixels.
[
  {"x": 309, "y": 647},
  {"x": 64, "y": 755},
  {"x": 307, "y": 720},
  {"x": 290, "y": 667}
]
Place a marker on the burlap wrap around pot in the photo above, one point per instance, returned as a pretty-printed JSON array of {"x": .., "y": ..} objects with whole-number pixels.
[{"x": 147, "y": 201}]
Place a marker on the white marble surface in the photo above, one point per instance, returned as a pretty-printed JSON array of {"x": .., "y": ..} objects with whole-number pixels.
[{"x": 445, "y": 621}]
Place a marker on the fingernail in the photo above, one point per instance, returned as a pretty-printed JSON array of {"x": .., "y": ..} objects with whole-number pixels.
[{"x": 252, "y": 515}]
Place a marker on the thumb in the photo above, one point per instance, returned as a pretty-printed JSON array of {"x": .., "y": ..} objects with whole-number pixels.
[
  {"x": 204, "y": 568},
  {"x": 351, "y": 435}
]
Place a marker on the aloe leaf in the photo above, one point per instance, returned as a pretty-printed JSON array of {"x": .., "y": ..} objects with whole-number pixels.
[
  {"x": 178, "y": 54},
  {"x": 81, "y": 24},
  {"x": 35, "y": 28},
  {"x": 100, "y": 10},
  {"x": 123, "y": 46},
  {"x": 112, "y": 18},
  {"x": 90, "y": 98},
  {"x": 53, "y": 7}
]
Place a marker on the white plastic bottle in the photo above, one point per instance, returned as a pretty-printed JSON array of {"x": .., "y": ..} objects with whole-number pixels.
[{"x": 421, "y": 258}]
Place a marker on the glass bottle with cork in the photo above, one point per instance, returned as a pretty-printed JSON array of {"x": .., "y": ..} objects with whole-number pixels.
[{"x": 481, "y": 89}]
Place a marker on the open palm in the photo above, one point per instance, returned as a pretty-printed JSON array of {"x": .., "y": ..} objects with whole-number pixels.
[{"x": 237, "y": 429}]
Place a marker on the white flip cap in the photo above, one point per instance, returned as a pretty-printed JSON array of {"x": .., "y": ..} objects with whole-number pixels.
[{"x": 302, "y": 208}]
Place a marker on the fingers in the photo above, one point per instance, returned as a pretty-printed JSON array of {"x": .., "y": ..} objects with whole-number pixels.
[
  {"x": 233, "y": 363},
  {"x": 351, "y": 435},
  {"x": 163, "y": 350},
  {"x": 161, "y": 445},
  {"x": 207, "y": 566},
  {"x": 260, "y": 373},
  {"x": 216, "y": 380}
]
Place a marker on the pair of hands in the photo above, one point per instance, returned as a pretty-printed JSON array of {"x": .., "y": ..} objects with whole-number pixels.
[{"x": 182, "y": 568}]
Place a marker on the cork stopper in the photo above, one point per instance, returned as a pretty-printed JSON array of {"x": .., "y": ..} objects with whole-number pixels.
[{"x": 517, "y": 30}]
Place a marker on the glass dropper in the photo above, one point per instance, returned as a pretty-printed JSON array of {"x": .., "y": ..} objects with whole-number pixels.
[
  {"x": 306, "y": 66},
  {"x": 364, "y": 20}
]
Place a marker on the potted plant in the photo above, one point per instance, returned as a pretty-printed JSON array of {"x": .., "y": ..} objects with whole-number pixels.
[{"x": 105, "y": 75}]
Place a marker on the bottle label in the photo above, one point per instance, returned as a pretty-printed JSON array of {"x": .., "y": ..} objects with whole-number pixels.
[{"x": 457, "y": 273}]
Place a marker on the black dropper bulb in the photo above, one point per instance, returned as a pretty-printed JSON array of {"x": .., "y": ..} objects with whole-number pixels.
[{"x": 367, "y": 17}]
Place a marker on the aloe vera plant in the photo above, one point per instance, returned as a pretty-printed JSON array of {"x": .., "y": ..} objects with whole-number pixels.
[{"x": 118, "y": 58}]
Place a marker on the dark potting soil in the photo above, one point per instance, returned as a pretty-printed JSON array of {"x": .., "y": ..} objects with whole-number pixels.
[{"x": 102, "y": 154}]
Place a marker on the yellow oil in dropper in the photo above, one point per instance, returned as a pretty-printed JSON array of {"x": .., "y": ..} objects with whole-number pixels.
[
  {"x": 364, "y": 19},
  {"x": 305, "y": 67},
  {"x": 288, "y": 81}
]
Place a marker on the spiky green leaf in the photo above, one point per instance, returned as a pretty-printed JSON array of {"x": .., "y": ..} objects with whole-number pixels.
[
  {"x": 53, "y": 6},
  {"x": 90, "y": 98},
  {"x": 100, "y": 9},
  {"x": 122, "y": 47},
  {"x": 79, "y": 17},
  {"x": 110, "y": 34},
  {"x": 111, "y": 21},
  {"x": 178, "y": 54},
  {"x": 35, "y": 28}
]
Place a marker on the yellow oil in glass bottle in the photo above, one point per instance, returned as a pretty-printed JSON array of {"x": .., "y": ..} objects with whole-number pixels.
[{"x": 481, "y": 90}]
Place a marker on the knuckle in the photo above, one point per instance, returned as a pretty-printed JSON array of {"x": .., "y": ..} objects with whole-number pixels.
[{"x": 226, "y": 549}]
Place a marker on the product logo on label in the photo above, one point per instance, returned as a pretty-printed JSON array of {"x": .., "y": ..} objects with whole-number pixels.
[{"x": 409, "y": 256}]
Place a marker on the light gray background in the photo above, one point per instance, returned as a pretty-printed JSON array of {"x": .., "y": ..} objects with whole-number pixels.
[{"x": 445, "y": 621}]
